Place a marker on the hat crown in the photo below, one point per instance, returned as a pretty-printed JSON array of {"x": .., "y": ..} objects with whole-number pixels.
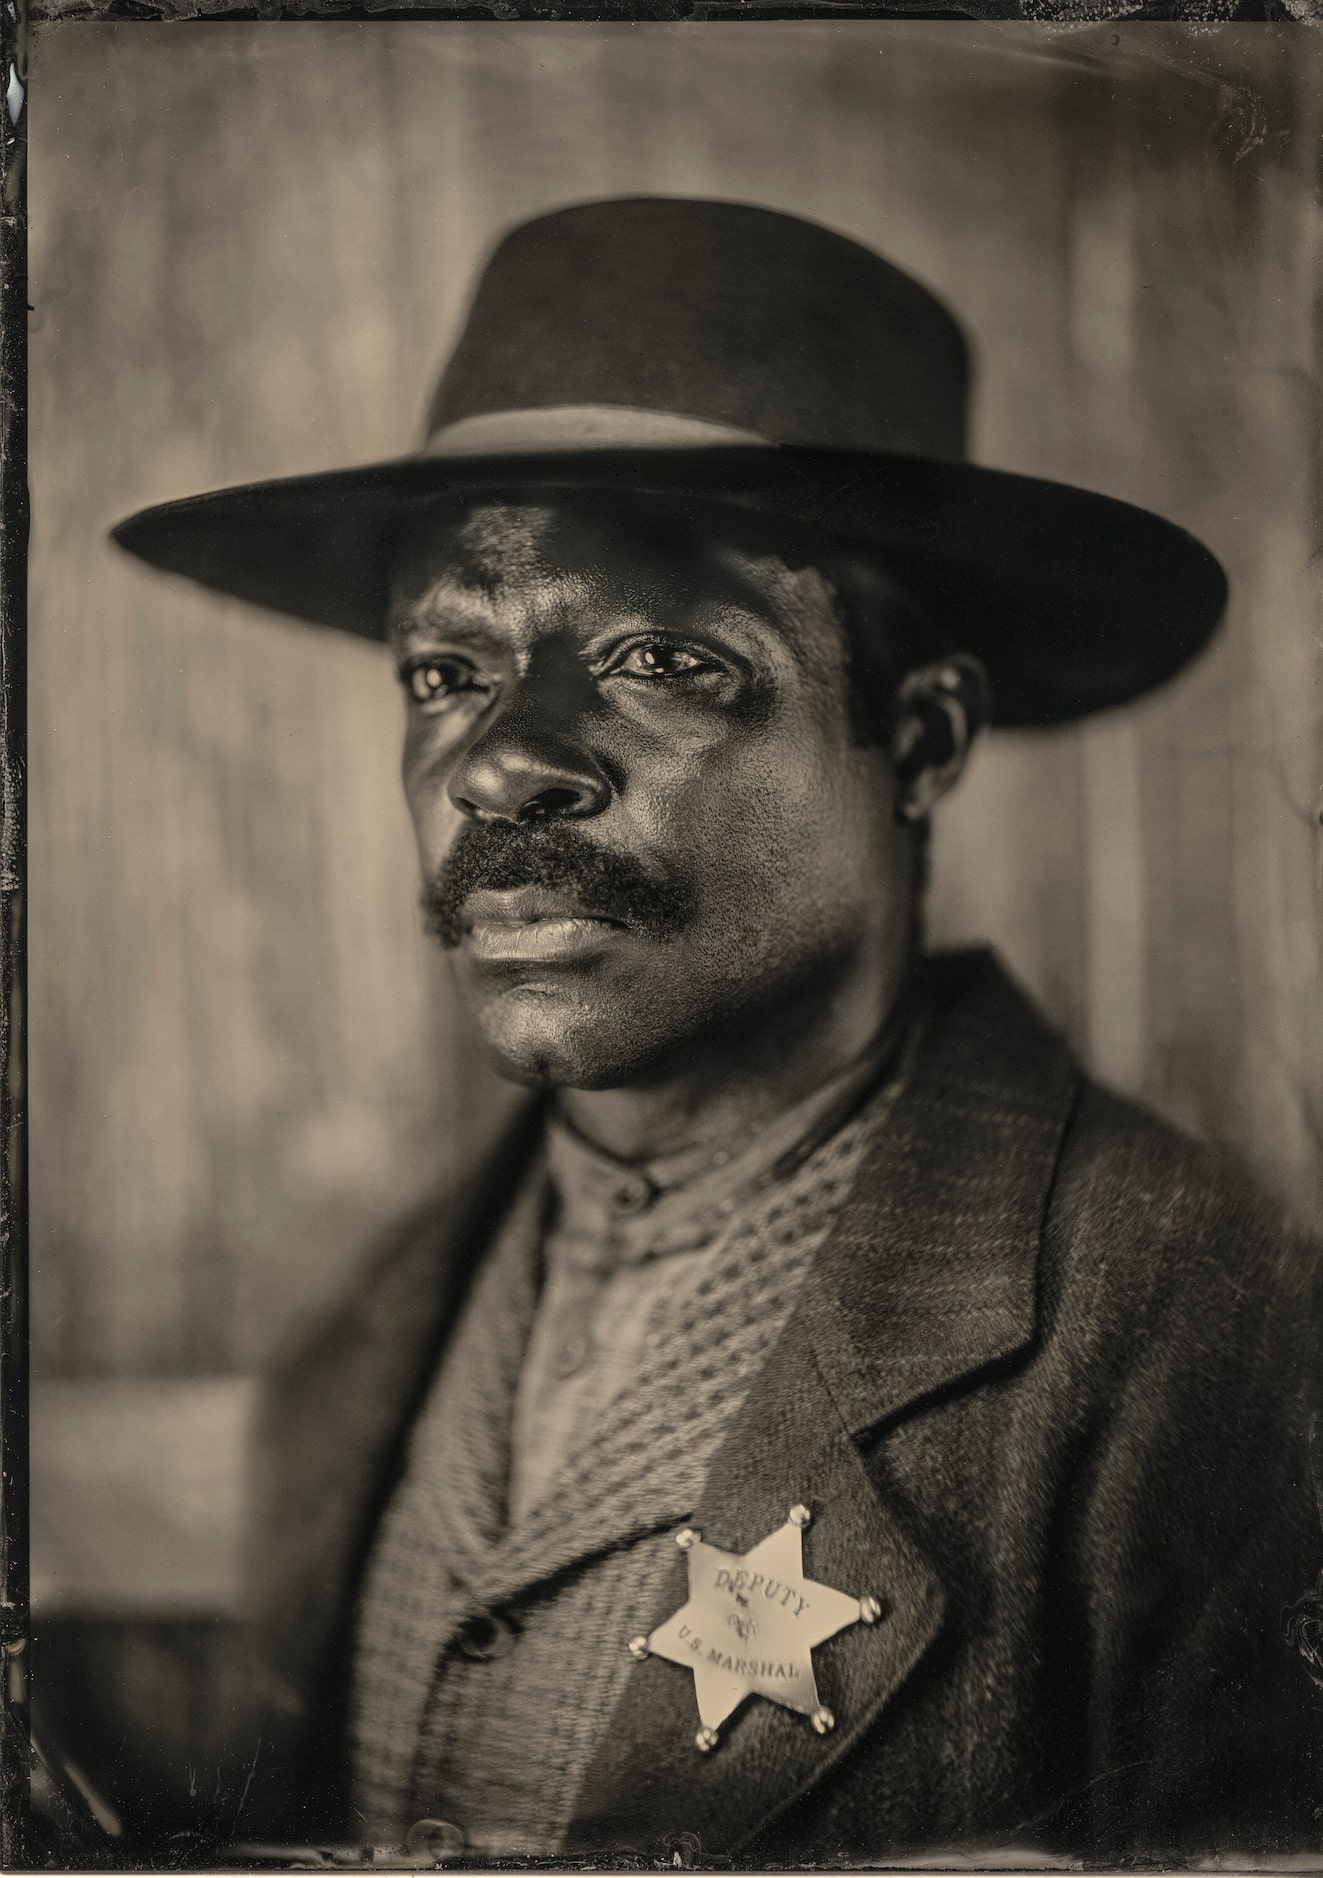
[
  {"x": 717, "y": 353},
  {"x": 767, "y": 327}
]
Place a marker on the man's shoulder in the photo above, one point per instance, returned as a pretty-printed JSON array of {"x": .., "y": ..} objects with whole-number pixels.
[
  {"x": 1186, "y": 1213},
  {"x": 1137, "y": 1213},
  {"x": 336, "y": 1400},
  {"x": 1164, "y": 1259}
]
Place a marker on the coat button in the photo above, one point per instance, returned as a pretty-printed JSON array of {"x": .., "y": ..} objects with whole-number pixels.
[
  {"x": 435, "y": 1838},
  {"x": 485, "y": 1638}
]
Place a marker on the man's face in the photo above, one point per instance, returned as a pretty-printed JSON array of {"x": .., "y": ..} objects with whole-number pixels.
[{"x": 646, "y": 826}]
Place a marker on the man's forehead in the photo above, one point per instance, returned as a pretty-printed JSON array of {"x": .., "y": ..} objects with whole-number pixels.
[
  {"x": 465, "y": 558},
  {"x": 485, "y": 545},
  {"x": 473, "y": 558}
]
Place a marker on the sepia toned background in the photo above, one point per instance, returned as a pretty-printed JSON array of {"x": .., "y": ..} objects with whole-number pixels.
[{"x": 250, "y": 247}]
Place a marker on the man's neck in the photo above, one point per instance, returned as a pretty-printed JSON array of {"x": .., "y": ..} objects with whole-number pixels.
[{"x": 723, "y": 1094}]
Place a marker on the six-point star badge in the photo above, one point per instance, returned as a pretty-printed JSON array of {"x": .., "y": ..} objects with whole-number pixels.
[{"x": 750, "y": 1624}]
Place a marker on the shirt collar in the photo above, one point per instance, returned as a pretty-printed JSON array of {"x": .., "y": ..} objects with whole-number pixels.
[{"x": 611, "y": 1212}]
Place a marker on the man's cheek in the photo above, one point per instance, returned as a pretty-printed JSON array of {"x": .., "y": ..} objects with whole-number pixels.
[{"x": 753, "y": 843}]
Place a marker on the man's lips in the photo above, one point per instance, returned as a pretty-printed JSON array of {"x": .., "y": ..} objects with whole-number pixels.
[
  {"x": 532, "y": 923},
  {"x": 526, "y": 906}
]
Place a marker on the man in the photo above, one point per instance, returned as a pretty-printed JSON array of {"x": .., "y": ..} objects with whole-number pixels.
[{"x": 831, "y": 1428}]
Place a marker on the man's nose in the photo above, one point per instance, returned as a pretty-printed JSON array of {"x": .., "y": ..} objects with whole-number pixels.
[{"x": 527, "y": 764}]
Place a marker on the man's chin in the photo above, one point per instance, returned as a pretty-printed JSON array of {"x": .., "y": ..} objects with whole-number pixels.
[{"x": 546, "y": 1038}]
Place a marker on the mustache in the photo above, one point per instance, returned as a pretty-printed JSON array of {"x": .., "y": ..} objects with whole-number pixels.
[{"x": 554, "y": 855}]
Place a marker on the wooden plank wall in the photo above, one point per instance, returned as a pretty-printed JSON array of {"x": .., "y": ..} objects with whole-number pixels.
[{"x": 250, "y": 246}]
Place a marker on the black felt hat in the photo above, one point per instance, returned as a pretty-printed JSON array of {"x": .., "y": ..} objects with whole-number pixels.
[{"x": 713, "y": 351}]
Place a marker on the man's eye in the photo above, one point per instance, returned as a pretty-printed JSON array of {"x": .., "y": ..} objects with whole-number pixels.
[
  {"x": 429, "y": 680},
  {"x": 658, "y": 660}
]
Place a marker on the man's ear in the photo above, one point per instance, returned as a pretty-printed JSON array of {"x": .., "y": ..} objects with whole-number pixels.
[{"x": 940, "y": 709}]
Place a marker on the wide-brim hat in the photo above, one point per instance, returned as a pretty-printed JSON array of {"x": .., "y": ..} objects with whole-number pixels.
[{"x": 711, "y": 352}]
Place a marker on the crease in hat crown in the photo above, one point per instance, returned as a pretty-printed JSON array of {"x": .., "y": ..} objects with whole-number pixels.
[
  {"x": 660, "y": 322},
  {"x": 715, "y": 352}
]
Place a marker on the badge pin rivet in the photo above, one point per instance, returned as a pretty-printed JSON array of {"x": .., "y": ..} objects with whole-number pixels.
[
  {"x": 687, "y": 1537},
  {"x": 823, "y": 1720},
  {"x": 870, "y": 1609},
  {"x": 800, "y": 1515},
  {"x": 638, "y": 1648},
  {"x": 705, "y": 1740}
]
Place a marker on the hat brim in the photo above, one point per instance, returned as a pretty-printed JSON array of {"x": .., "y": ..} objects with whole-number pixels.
[{"x": 1073, "y": 601}]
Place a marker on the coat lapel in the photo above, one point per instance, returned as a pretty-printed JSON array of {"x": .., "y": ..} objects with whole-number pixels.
[
  {"x": 927, "y": 1282},
  {"x": 787, "y": 1445}
]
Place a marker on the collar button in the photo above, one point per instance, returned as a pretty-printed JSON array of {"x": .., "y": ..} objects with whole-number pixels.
[{"x": 632, "y": 1193}]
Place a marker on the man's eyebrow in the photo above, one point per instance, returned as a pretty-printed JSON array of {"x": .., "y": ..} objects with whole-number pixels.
[
  {"x": 778, "y": 603},
  {"x": 450, "y": 608}
]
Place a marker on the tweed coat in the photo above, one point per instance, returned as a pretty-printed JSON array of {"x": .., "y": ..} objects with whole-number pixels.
[{"x": 1048, "y": 1390}]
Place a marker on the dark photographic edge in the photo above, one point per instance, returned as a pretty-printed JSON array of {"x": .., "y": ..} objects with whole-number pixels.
[
  {"x": 1194, "y": 13},
  {"x": 14, "y": 1637},
  {"x": 15, "y": 1841}
]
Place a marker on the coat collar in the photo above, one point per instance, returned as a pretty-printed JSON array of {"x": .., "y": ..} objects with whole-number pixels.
[{"x": 928, "y": 1281}]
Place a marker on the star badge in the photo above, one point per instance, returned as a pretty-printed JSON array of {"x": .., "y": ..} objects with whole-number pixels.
[{"x": 750, "y": 1625}]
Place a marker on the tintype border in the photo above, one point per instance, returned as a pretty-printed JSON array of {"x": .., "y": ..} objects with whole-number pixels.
[
  {"x": 13, "y": 959},
  {"x": 17, "y": 18},
  {"x": 689, "y": 12}
]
